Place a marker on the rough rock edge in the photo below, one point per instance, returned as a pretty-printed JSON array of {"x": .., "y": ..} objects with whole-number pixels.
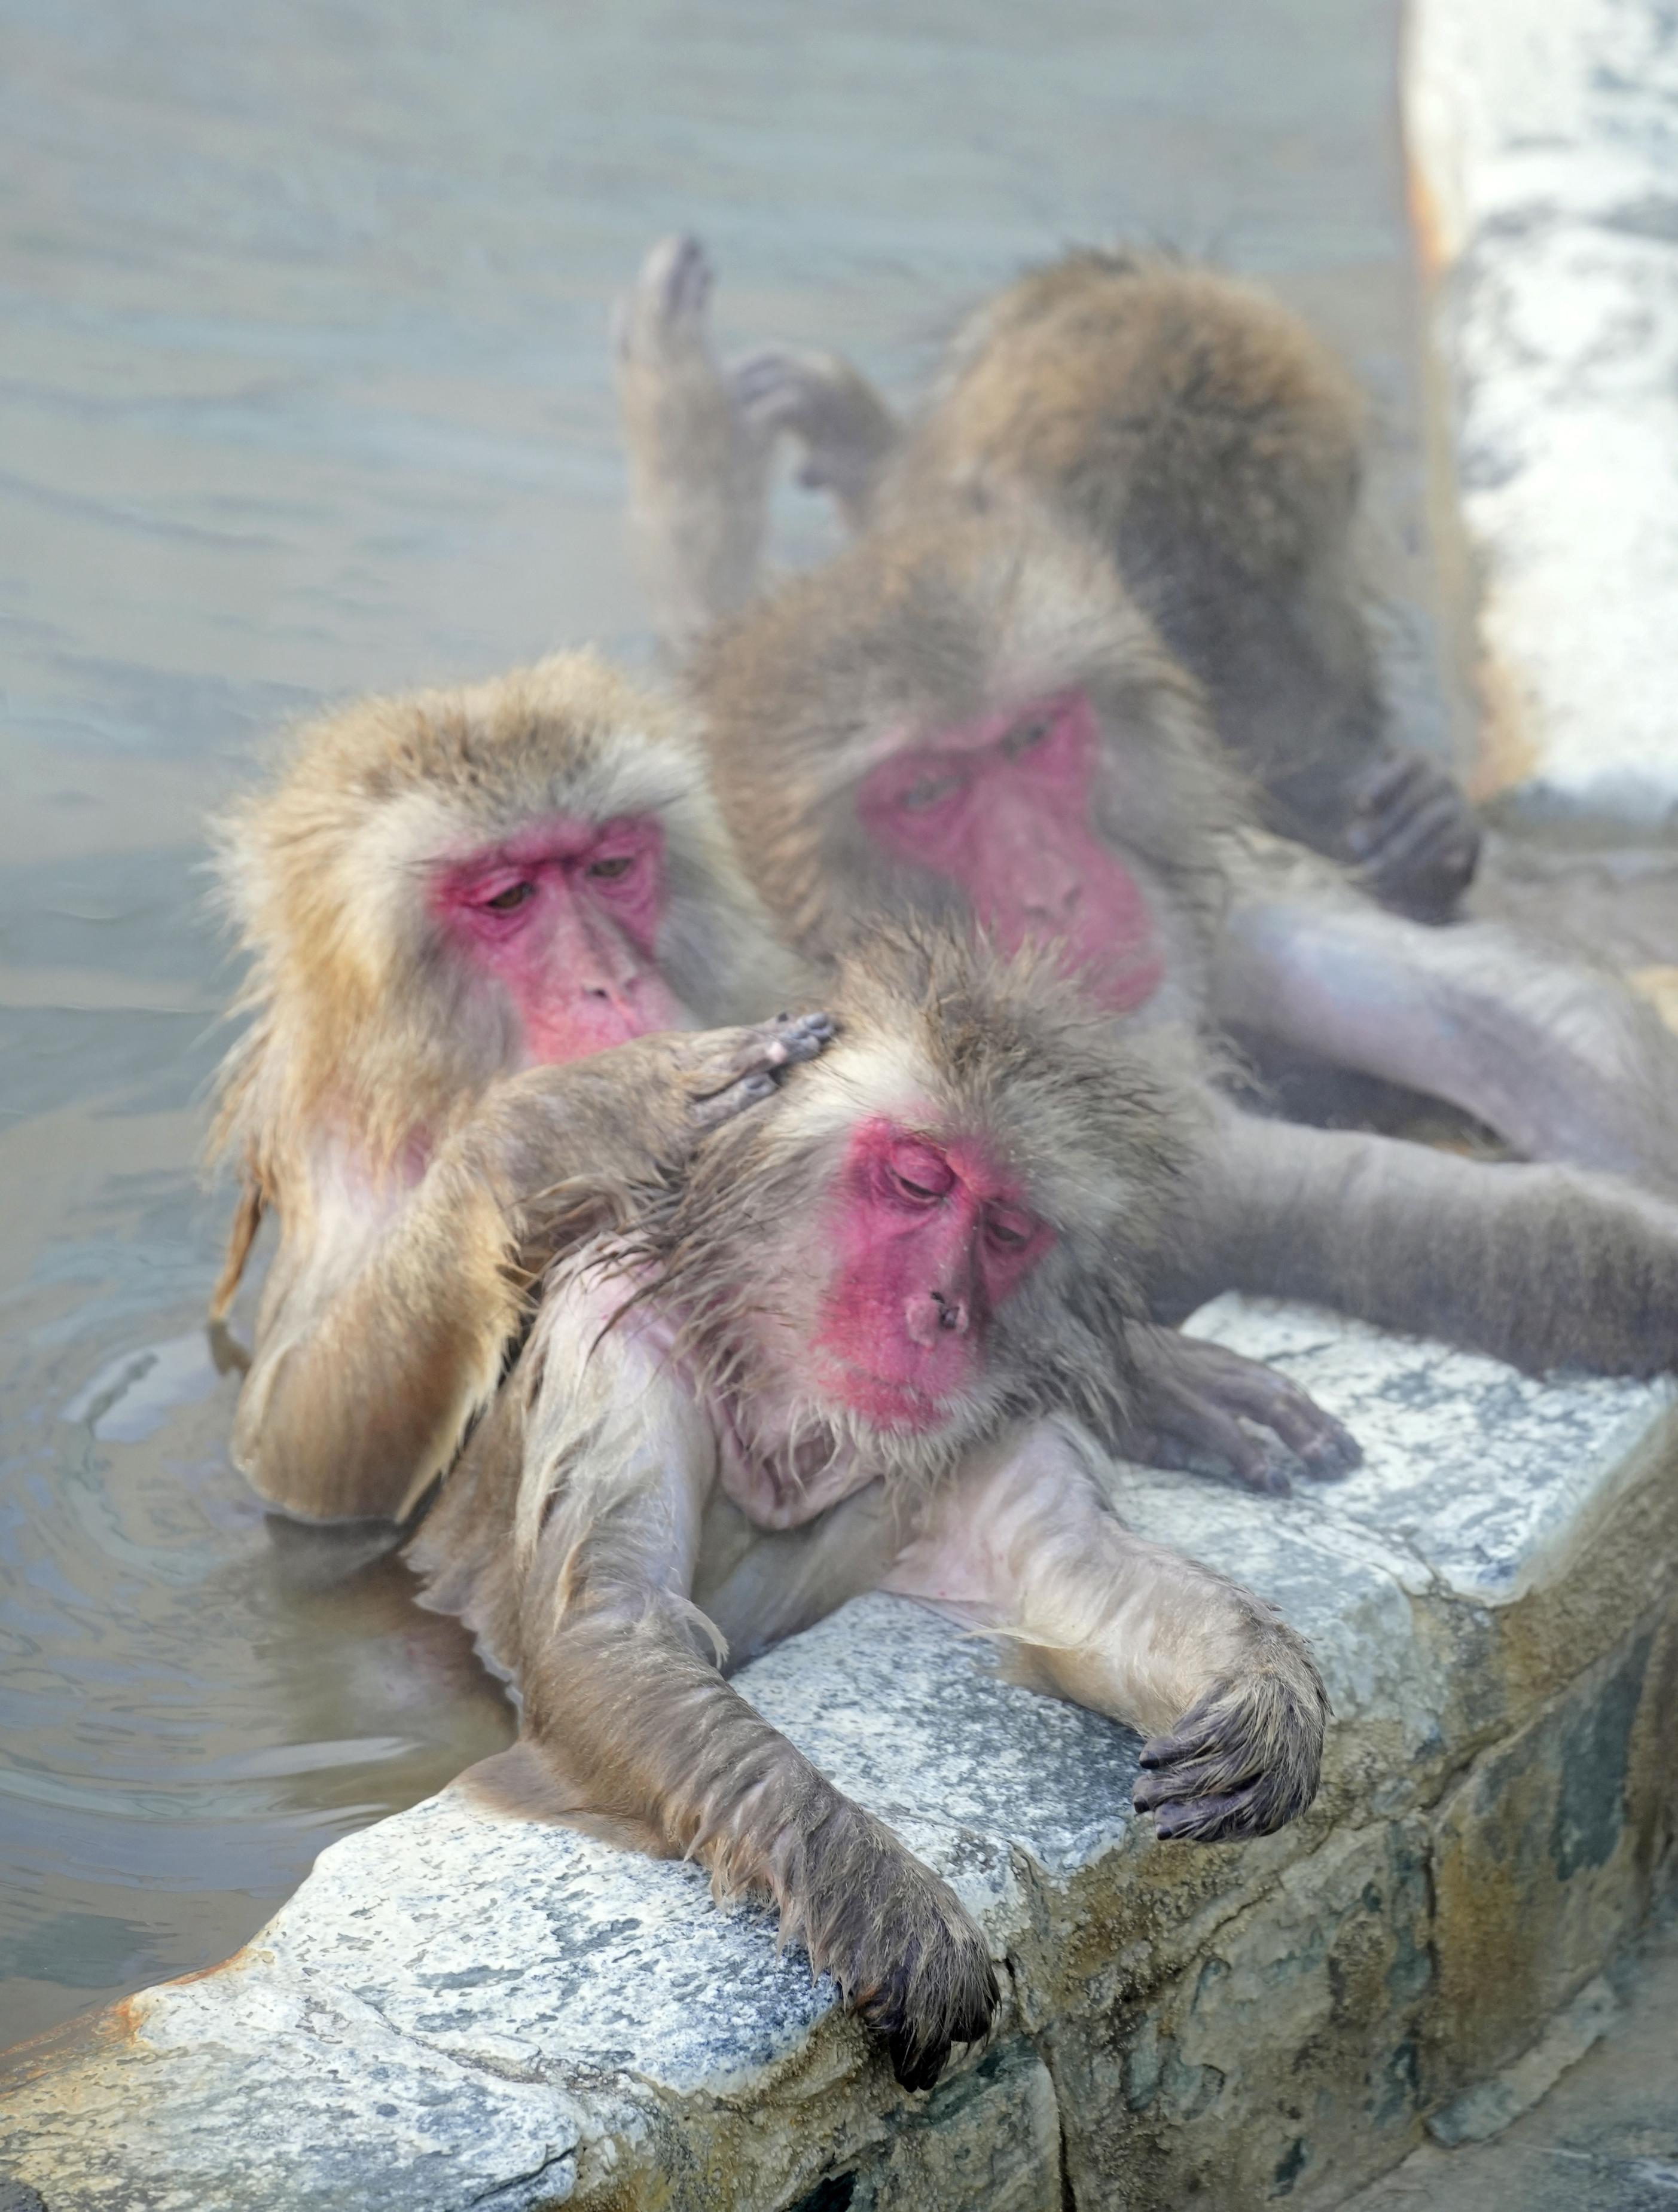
[
  {"x": 1456, "y": 1615},
  {"x": 1545, "y": 194}
]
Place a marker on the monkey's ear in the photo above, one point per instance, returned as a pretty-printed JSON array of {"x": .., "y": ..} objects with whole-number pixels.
[{"x": 246, "y": 1220}]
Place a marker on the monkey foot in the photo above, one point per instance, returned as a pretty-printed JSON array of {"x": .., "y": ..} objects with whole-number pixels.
[
  {"x": 1412, "y": 834},
  {"x": 663, "y": 318},
  {"x": 1192, "y": 1401},
  {"x": 1246, "y": 1757},
  {"x": 844, "y": 429}
]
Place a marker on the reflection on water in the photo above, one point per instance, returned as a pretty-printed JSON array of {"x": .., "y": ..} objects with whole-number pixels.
[{"x": 303, "y": 390}]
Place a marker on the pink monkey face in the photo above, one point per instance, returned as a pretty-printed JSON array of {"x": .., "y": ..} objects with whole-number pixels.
[
  {"x": 1001, "y": 806},
  {"x": 565, "y": 917},
  {"x": 930, "y": 1239}
]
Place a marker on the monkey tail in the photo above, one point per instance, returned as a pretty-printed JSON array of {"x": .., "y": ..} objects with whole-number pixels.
[{"x": 246, "y": 1220}]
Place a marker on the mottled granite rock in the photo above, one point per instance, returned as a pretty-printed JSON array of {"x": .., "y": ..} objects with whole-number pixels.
[
  {"x": 1545, "y": 160},
  {"x": 460, "y": 2010}
]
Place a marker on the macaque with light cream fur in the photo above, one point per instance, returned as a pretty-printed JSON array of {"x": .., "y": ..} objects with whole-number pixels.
[{"x": 479, "y": 922}]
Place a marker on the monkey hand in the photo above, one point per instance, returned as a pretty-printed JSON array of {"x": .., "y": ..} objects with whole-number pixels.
[
  {"x": 1246, "y": 1757},
  {"x": 632, "y": 1114},
  {"x": 909, "y": 1958},
  {"x": 1412, "y": 834},
  {"x": 845, "y": 428},
  {"x": 1192, "y": 1398}
]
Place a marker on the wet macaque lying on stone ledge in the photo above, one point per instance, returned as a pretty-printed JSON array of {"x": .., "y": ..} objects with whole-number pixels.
[
  {"x": 967, "y": 712},
  {"x": 1213, "y": 446},
  {"x": 470, "y": 912},
  {"x": 894, "y": 1319}
]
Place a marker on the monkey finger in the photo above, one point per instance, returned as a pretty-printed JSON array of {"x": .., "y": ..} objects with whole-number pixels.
[
  {"x": 1206, "y": 1819},
  {"x": 1181, "y": 1784},
  {"x": 1440, "y": 823},
  {"x": 1191, "y": 1739},
  {"x": 1324, "y": 1447},
  {"x": 783, "y": 1042},
  {"x": 1196, "y": 1429},
  {"x": 724, "y": 1105},
  {"x": 774, "y": 389},
  {"x": 1376, "y": 800}
]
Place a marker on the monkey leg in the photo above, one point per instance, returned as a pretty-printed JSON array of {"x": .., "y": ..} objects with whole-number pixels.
[
  {"x": 1560, "y": 1058},
  {"x": 622, "y": 1693},
  {"x": 845, "y": 431},
  {"x": 1540, "y": 1265},
  {"x": 699, "y": 462},
  {"x": 1192, "y": 1397},
  {"x": 1029, "y": 1544},
  {"x": 381, "y": 1338}
]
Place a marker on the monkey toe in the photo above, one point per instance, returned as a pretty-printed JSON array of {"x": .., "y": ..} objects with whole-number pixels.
[
  {"x": 666, "y": 311},
  {"x": 1414, "y": 837},
  {"x": 770, "y": 387},
  {"x": 1323, "y": 1446},
  {"x": 1332, "y": 1453},
  {"x": 1245, "y": 1759},
  {"x": 921, "y": 2025}
]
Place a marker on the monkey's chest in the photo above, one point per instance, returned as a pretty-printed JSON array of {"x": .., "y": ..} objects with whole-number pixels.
[{"x": 783, "y": 1481}]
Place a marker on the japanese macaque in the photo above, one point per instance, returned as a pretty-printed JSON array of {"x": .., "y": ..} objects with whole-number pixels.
[
  {"x": 894, "y": 1316},
  {"x": 967, "y": 711},
  {"x": 468, "y": 914},
  {"x": 1214, "y": 448}
]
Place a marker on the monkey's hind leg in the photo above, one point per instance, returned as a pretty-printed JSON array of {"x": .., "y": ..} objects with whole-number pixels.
[{"x": 1229, "y": 1696}]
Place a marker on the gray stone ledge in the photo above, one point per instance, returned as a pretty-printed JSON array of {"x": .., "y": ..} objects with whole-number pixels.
[
  {"x": 1543, "y": 140},
  {"x": 460, "y": 2010}
]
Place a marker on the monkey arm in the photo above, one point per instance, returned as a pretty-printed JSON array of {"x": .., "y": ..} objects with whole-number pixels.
[
  {"x": 699, "y": 465},
  {"x": 1540, "y": 1265},
  {"x": 377, "y": 1343},
  {"x": 382, "y": 1334},
  {"x": 1026, "y": 1541},
  {"x": 1557, "y": 1056},
  {"x": 623, "y": 1700}
]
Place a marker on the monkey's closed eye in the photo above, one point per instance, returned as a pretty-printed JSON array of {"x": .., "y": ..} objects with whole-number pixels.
[
  {"x": 919, "y": 1173},
  {"x": 1012, "y": 1231},
  {"x": 1022, "y": 737},
  {"x": 928, "y": 793},
  {"x": 504, "y": 901},
  {"x": 915, "y": 1190},
  {"x": 608, "y": 871}
]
